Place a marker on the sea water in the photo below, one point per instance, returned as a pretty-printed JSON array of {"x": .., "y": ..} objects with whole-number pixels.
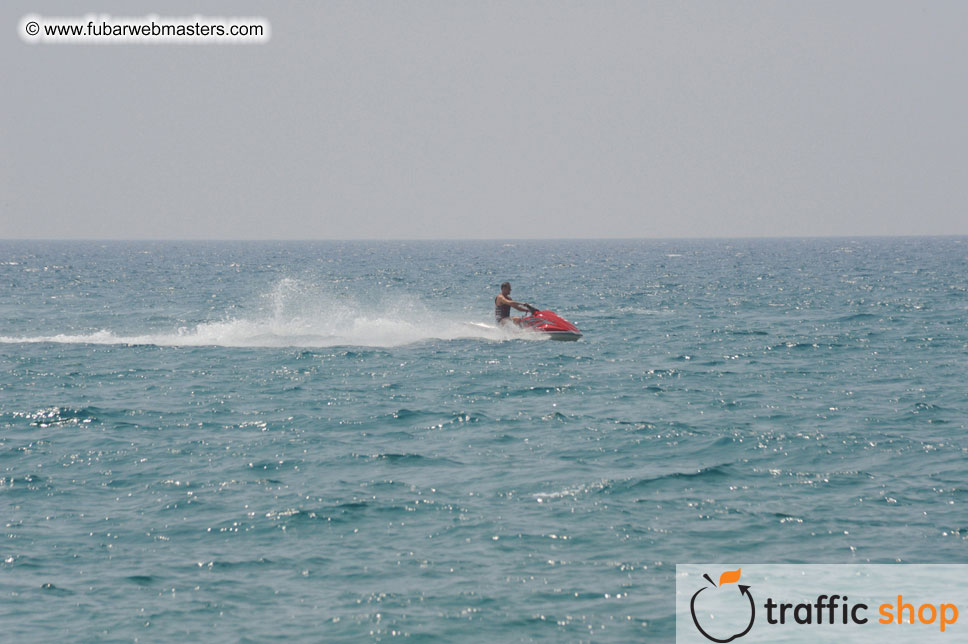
[{"x": 254, "y": 442}]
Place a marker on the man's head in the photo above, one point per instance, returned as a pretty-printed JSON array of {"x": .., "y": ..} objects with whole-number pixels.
[{"x": 505, "y": 288}]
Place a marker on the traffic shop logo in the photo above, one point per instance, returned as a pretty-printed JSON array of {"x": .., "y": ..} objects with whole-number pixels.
[{"x": 739, "y": 605}]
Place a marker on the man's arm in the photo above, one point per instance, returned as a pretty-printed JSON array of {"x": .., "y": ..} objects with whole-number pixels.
[{"x": 506, "y": 301}]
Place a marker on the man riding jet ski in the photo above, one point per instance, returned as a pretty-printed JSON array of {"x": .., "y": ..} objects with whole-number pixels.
[
  {"x": 557, "y": 328},
  {"x": 503, "y": 305}
]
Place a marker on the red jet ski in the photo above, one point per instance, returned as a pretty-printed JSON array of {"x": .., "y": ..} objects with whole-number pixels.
[{"x": 550, "y": 324}]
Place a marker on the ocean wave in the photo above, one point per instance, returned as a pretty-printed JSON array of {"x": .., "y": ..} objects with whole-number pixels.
[
  {"x": 363, "y": 331},
  {"x": 300, "y": 315}
]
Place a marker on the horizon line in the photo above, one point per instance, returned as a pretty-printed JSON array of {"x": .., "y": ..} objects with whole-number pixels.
[{"x": 464, "y": 239}]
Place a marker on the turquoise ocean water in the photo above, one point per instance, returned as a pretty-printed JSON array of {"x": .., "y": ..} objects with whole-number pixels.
[{"x": 249, "y": 442}]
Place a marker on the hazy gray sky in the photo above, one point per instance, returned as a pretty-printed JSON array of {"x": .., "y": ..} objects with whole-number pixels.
[{"x": 494, "y": 119}]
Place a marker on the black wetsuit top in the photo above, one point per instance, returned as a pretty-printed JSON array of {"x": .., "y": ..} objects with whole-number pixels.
[{"x": 501, "y": 311}]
